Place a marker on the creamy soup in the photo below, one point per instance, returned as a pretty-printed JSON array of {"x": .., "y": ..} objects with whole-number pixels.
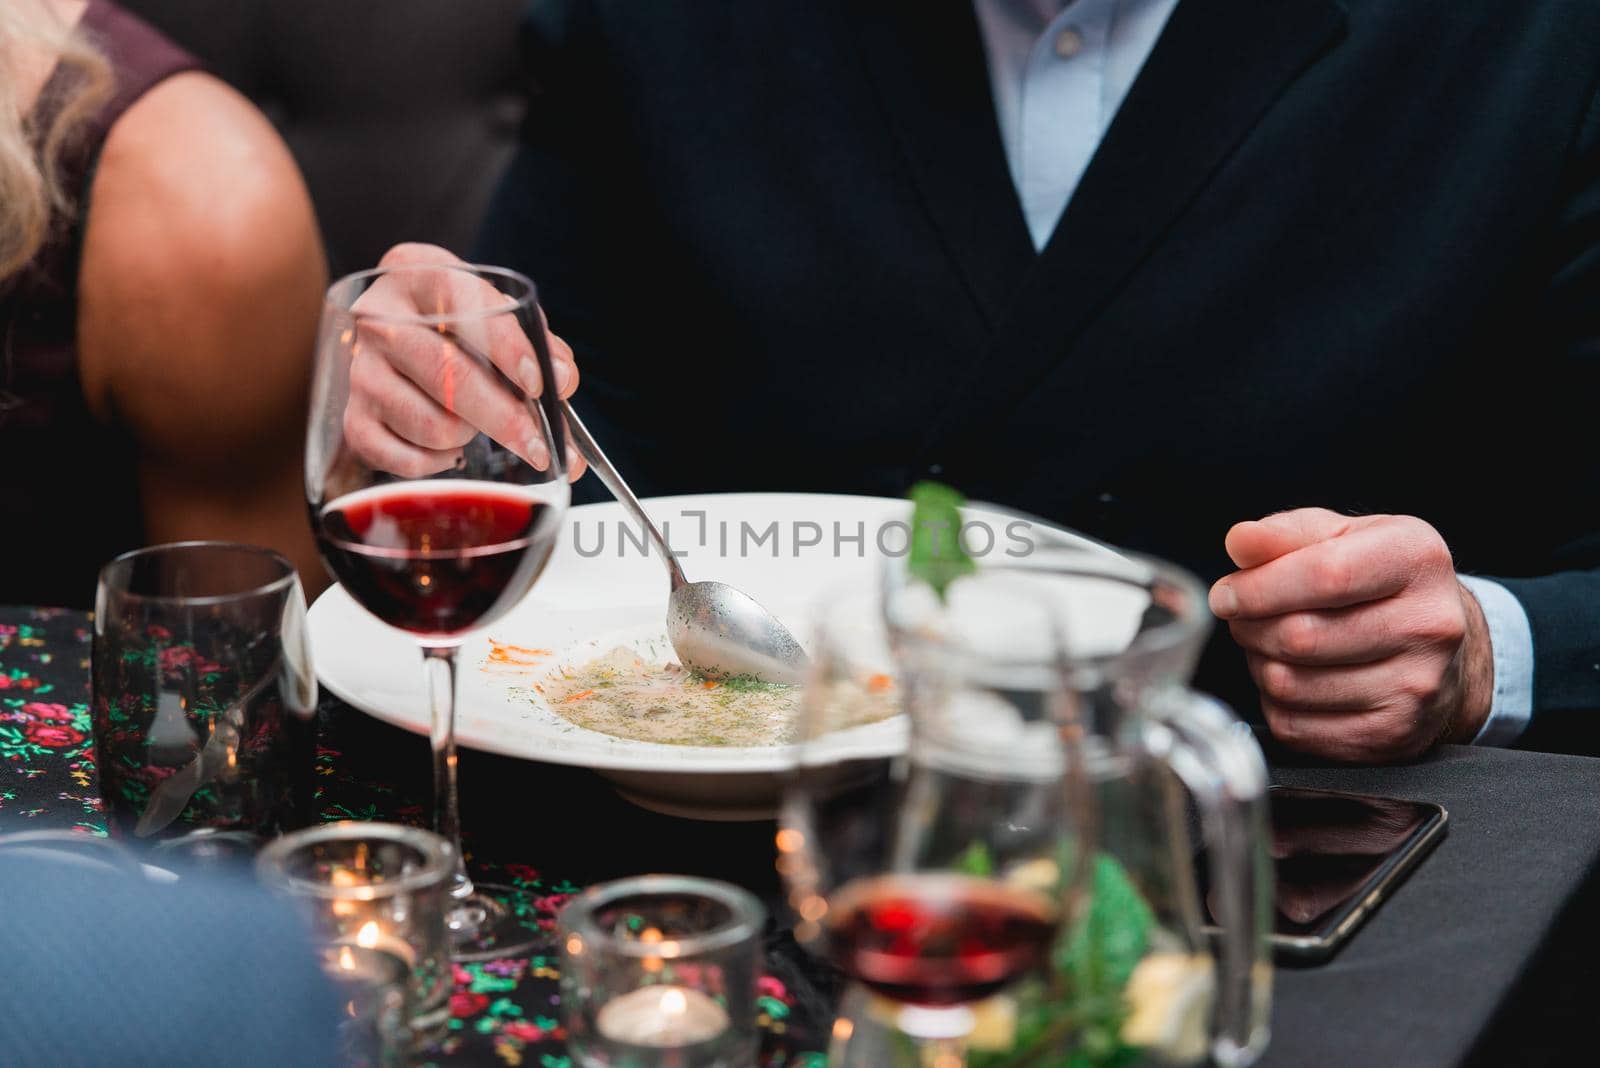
[{"x": 625, "y": 695}]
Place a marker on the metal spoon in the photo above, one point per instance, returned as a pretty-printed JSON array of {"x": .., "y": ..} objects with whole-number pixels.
[{"x": 715, "y": 629}]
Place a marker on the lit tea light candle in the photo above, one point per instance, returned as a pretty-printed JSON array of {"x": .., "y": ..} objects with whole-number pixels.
[
  {"x": 662, "y": 1016},
  {"x": 362, "y": 966},
  {"x": 366, "y": 972},
  {"x": 640, "y": 961},
  {"x": 371, "y": 935},
  {"x": 371, "y": 985}
]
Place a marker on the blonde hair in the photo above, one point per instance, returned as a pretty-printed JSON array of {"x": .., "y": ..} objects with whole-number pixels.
[{"x": 31, "y": 194}]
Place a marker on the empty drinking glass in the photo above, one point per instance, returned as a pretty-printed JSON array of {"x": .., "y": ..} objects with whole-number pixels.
[{"x": 203, "y": 693}]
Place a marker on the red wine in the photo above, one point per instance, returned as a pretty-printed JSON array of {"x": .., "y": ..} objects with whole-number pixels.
[
  {"x": 437, "y": 557},
  {"x": 938, "y": 939}
]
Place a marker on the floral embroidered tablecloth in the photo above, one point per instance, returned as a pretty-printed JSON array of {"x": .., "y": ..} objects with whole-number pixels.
[{"x": 502, "y": 1012}]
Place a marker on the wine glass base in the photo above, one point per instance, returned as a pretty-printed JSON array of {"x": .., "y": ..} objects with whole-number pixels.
[{"x": 493, "y": 922}]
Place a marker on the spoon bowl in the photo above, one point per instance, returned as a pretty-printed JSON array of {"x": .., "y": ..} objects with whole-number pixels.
[
  {"x": 720, "y": 632},
  {"x": 715, "y": 629}
]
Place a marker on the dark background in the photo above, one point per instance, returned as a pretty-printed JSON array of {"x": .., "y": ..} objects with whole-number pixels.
[{"x": 401, "y": 113}]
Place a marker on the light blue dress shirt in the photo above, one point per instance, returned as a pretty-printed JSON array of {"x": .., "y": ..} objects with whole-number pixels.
[{"x": 1059, "y": 70}]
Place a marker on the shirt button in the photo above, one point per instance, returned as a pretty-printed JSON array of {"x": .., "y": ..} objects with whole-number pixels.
[{"x": 1069, "y": 43}]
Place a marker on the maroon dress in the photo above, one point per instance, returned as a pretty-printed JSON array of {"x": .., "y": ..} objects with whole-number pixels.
[{"x": 69, "y": 498}]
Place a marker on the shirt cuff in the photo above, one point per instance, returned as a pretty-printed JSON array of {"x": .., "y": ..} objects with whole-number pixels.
[{"x": 1511, "y": 643}]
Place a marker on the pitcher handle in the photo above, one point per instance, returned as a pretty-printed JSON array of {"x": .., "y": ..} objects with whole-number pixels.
[{"x": 1218, "y": 760}]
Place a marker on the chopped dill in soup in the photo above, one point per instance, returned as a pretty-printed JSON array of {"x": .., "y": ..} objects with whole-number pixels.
[{"x": 623, "y": 694}]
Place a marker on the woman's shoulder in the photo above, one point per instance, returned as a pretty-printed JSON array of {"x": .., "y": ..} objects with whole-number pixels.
[
  {"x": 198, "y": 217},
  {"x": 193, "y": 167}
]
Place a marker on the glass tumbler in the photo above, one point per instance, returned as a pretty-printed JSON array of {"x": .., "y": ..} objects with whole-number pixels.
[{"x": 203, "y": 693}]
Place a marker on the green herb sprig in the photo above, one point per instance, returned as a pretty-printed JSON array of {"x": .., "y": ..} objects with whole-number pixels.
[
  {"x": 1075, "y": 1020},
  {"x": 740, "y": 683},
  {"x": 937, "y": 556}
]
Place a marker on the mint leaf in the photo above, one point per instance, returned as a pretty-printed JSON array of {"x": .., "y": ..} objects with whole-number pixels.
[
  {"x": 1076, "y": 1020},
  {"x": 975, "y": 860},
  {"x": 937, "y": 556},
  {"x": 1103, "y": 949}
]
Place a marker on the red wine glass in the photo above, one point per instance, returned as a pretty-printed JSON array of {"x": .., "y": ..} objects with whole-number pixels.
[
  {"x": 437, "y": 490},
  {"x": 938, "y": 879}
]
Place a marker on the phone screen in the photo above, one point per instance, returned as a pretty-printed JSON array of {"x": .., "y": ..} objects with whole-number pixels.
[{"x": 1332, "y": 851}]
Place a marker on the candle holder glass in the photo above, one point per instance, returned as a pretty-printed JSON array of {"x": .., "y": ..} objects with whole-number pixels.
[
  {"x": 660, "y": 971},
  {"x": 371, "y": 987},
  {"x": 382, "y": 891}
]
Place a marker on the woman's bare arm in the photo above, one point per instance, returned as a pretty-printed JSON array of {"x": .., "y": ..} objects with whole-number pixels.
[{"x": 200, "y": 291}]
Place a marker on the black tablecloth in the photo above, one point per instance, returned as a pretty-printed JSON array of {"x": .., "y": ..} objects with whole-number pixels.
[
  {"x": 1481, "y": 957},
  {"x": 1485, "y": 954}
]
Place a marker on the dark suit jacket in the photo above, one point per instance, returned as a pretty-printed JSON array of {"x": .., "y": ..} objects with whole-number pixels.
[{"x": 1329, "y": 253}]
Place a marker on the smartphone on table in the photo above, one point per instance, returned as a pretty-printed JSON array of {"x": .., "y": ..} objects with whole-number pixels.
[{"x": 1338, "y": 857}]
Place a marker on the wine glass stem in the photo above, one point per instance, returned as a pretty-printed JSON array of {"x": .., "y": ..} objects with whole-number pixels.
[
  {"x": 439, "y": 663},
  {"x": 940, "y": 1034},
  {"x": 945, "y": 1052}
]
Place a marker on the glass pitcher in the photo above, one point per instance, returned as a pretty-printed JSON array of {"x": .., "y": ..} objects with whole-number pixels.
[
  {"x": 1155, "y": 970},
  {"x": 937, "y": 879}
]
